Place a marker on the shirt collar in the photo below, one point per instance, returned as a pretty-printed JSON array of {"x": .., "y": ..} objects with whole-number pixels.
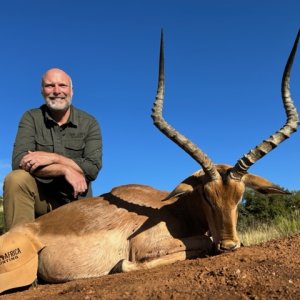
[{"x": 73, "y": 119}]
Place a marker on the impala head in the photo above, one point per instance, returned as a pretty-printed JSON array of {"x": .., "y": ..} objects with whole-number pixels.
[{"x": 217, "y": 189}]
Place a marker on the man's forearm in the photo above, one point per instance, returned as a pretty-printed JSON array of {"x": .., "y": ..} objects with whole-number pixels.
[
  {"x": 50, "y": 171},
  {"x": 76, "y": 179},
  {"x": 65, "y": 161},
  {"x": 48, "y": 164}
]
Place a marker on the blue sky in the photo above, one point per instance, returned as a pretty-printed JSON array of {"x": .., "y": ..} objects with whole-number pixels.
[{"x": 223, "y": 63}]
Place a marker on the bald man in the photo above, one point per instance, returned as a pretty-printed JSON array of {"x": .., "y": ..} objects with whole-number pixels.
[{"x": 57, "y": 154}]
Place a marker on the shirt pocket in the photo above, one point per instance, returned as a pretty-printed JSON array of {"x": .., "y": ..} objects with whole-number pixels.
[
  {"x": 74, "y": 148},
  {"x": 44, "y": 145}
]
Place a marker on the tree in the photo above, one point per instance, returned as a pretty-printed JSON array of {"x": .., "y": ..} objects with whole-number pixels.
[{"x": 257, "y": 208}]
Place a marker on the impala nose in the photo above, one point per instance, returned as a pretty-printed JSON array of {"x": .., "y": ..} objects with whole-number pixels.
[{"x": 229, "y": 245}]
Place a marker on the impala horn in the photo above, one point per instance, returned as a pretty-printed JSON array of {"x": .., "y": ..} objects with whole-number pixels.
[
  {"x": 244, "y": 163},
  {"x": 190, "y": 148}
]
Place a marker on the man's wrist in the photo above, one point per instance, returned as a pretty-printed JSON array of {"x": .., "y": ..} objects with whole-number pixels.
[{"x": 56, "y": 158}]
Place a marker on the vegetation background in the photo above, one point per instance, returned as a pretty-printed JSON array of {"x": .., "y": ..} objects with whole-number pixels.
[
  {"x": 1, "y": 215},
  {"x": 263, "y": 217}
]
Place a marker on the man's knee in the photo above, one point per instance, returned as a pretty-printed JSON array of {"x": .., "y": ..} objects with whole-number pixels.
[
  {"x": 19, "y": 188},
  {"x": 19, "y": 193},
  {"x": 18, "y": 179}
]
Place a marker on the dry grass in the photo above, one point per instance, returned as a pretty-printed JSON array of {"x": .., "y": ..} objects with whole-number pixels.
[
  {"x": 1, "y": 217},
  {"x": 282, "y": 227}
]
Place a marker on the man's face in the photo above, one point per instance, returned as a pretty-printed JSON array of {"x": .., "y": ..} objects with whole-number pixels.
[{"x": 57, "y": 90}]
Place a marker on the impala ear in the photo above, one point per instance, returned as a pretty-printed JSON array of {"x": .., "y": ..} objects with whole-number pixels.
[
  {"x": 263, "y": 185},
  {"x": 181, "y": 190},
  {"x": 187, "y": 186}
]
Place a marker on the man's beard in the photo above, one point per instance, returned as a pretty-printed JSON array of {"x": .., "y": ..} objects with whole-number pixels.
[{"x": 58, "y": 105}]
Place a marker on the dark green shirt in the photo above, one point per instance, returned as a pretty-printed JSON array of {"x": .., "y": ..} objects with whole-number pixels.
[{"x": 78, "y": 139}]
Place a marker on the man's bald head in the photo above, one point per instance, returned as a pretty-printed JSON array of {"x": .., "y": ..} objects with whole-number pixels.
[
  {"x": 55, "y": 72},
  {"x": 57, "y": 90}
]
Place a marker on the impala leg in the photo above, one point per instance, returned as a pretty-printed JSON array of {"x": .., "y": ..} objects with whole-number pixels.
[
  {"x": 188, "y": 248},
  {"x": 125, "y": 266}
]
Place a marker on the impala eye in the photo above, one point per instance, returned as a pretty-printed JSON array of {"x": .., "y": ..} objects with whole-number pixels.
[{"x": 208, "y": 201}]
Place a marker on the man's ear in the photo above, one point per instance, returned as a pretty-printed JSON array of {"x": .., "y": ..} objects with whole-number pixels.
[{"x": 263, "y": 185}]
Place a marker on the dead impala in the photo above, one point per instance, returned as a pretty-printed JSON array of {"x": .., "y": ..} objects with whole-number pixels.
[{"x": 138, "y": 227}]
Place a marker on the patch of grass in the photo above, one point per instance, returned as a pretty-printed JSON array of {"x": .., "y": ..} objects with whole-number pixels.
[
  {"x": 1, "y": 222},
  {"x": 288, "y": 226},
  {"x": 261, "y": 234},
  {"x": 1, "y": 217},
  {"x": 281, "y": 227}
]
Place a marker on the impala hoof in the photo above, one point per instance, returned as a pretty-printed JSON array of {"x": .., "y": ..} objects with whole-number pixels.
[{"x": 118, "y": 268}]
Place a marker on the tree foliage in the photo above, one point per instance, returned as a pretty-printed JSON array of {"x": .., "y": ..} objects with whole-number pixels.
[{"x": 258, "y": 208}]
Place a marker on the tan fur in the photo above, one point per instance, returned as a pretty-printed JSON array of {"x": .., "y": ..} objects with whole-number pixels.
[{"x": 132, "y": 227}]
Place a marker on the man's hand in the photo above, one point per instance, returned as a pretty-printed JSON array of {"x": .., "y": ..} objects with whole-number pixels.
[
  {"x": 76, "y": 180},
  {"x": 44, "y": 164},
  {"x": 33, "y": 160}
]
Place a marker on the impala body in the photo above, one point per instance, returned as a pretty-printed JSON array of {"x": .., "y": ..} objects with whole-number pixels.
[{"x": 138, "y": 227}]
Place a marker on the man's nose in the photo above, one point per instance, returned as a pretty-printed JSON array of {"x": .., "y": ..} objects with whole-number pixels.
[{"x": 56, "y": 89}]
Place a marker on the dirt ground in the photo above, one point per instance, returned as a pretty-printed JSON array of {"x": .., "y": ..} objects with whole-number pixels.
[{"x": 267, "y": 271}]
